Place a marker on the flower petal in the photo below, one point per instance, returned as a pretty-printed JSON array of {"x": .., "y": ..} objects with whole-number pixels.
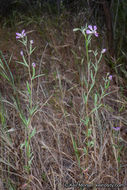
[
  {"x": 34, "y": 64},
  {"x": 31, "y": 41},
  {"x": 110, "y": 77},
  {"x": 23, "y": 32},
  {"x": 18, "y": 34},
  {"x": 21, "y": 53},
  {"x": 90, "y": 27},
  {"x": 95, "y": 27},
  {"x": 103, "y": 50},
  {"x": 116, "y": 128},
  {"x": 89, "y": 32},
  {"x": 17, "y": 37},
  {"x": 96, "y": 34}
]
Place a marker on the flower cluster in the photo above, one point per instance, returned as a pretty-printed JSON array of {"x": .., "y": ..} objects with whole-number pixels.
[
  {"x": 20, "y": 35},
  {"x": 92, "y": 30}
]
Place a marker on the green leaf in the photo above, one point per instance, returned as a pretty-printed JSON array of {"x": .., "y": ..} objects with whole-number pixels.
[
  {"x": 91, "y": 143},
  {"x": 89, "y": 38},
  {"x": 33, "y": 110},
  {"x": 107, "y": 84},
  {"x": 32, "y": 50},
  {"x": 85, "y": 98},
  {"x": 89, "y": 132},
  {"x": 95, "y": 53},
  {"x": 95, "y": 99},
  {"x": 85, "y": 150},
  {"x": 86, "y": 83},
  {"x": 25, "y": 62},
  {"x": 33, "y": 73},
  {"x": 2, "y": 65},
  {"x": 28, "y": 87},
  {"x": 33, "y": 133},
  {"x": 30, "y": 161},
  {"x": 27, "y": 168},
  {"x": 76, "y": 29},
  {"x": 115, "y": 145},
  {"x": 28, "y": 121},
  {"x": 82, "y": 61},
  {"x": 96, "y": 108},
  {"x": 118, "y": 159},
  {"x": 4, "y": 76},
  {"x": 26, "y": 143},
  {"x": 86, "y": 121},
  {"x": 38, "y": 76},
  {"x": 24, "y": 120},
  {"x": 22, "y": 145},
  {"x": 22, "y": 63},
  {"x": 75, "y": 149},
  {"x": 95, "y": 67},
  {"x": 92, "y": 76},
  {"x": 102, "y": 91},
  {"x": 11, "y": 75}
]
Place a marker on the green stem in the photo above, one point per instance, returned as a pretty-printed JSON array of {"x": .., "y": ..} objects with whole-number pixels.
[{"x": 31, "y": 104}]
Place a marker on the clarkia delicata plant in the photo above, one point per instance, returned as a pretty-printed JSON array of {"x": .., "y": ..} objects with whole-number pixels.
[
  {"x": 89, "y": 80},
  {"x": 29, "y": 130}
]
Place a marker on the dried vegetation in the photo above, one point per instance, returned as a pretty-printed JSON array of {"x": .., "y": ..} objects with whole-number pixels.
[{"x": 60, "y": 140}]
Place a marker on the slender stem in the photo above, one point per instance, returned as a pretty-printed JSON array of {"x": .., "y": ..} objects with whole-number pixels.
[
  {"x": 87, "y": 112},
  {"x": 31, "y": 104}
]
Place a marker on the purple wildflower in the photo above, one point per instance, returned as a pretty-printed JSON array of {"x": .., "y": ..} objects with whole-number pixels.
[
  {"x": 116, "y": 128},
  {"x": 110, "y": 77},
  {"x": 21, "y": 53},
  {"x": 92, "y": 30},
  {"x": 31, "y": 41},
  {"x": 20, "y": 35},
  {"x": 34, "y": 64},
  {"x": 103, "y": 50}
]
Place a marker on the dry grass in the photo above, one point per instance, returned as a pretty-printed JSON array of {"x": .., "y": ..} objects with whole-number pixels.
[{"x": 59, "y": 142}]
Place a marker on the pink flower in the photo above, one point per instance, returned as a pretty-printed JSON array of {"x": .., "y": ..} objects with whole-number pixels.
[
  {"x": 92, "y": 30},
  {"x": 34, "y": 64},
  {"x": 110, "y": 77},
  {"x": 103, "y": 50},
  {"x": 116, "y": 128},
  {"x": 20, "y": 35},
  {"x": 31, "y": 41},
  {"x": 21, "y": 53}
]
